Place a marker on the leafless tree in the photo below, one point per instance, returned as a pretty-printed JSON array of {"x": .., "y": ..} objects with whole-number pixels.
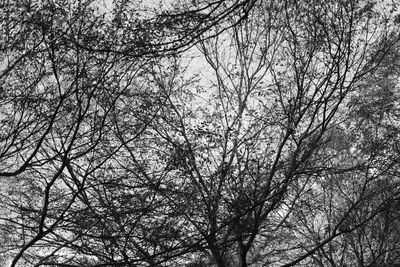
[{"x": 116, "y": 151}]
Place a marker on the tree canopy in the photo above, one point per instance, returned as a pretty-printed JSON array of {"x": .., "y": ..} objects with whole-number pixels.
[{"x": 199, "y": 133}]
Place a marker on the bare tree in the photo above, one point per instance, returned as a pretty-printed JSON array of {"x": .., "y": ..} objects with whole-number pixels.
[
  {"x": 364, "y": 179},
  {"x": 116, "y": 152}
]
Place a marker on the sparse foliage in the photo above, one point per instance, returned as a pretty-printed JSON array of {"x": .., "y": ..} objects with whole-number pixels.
[{"x": 275, "y": 145}]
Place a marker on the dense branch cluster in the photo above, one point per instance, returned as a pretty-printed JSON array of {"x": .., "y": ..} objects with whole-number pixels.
[{"x": 199, "y": 133}]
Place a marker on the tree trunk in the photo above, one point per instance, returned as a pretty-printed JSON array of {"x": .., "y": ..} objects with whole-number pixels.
[
  {"x": 242, "y": 260},
  {"x": 241, "y": 256}
]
